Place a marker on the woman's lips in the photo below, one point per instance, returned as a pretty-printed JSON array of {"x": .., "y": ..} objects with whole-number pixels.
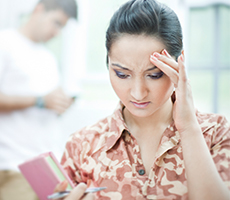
[{"x": 140, "y": 105}]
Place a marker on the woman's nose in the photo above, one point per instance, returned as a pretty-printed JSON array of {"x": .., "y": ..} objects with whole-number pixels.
[{"x": 139, "y": 90}]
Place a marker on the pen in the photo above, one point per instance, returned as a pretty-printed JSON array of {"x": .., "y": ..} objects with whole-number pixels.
[{"x": 58, "y": 195}]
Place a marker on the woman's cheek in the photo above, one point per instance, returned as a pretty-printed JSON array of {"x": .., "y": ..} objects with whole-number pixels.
[
  {"x": 162, "y": 88},
  {"x": 167, "y": 87}
]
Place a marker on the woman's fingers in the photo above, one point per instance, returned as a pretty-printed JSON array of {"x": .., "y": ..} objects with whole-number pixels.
[
  {"x": 184, "y": 83},
  {"x": 61, "y": 187},
  {"x": 89, "y": 196},
  {"x": 77, "y": 192},
  {"x": 182, "y": 73},
  {"x": 166, "y": 53},
  {"x": 168, "y": 59},
  {"x": 167, "y": 65}
]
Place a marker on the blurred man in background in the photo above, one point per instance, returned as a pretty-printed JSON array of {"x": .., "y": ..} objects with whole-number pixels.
[{"x": 30, "y": 95}]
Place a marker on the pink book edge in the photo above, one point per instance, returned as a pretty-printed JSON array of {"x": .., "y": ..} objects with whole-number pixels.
[
  {"x": 38, "y": 164},
  {"x": 62, "y": 169}
]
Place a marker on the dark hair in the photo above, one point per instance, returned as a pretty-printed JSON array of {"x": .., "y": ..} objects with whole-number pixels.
[
  {"x": 147, "y": 17},
  {"x": 69, "y": 7}
]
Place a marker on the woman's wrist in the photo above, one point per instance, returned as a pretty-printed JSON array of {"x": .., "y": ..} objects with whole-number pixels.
[{"x": 191, "y": 131}]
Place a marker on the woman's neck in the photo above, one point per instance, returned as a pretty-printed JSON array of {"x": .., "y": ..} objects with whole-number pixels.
[{"x": 145, "y": 125}]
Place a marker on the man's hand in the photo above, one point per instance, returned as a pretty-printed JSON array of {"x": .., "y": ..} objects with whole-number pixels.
[{"x": 58, "y": 101}]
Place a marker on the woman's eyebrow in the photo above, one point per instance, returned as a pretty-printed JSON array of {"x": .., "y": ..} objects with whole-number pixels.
[
  {"x": 152, "y": 68},
  {"x": 117, "y": 65},
  {"x": 124, "y": 68}
]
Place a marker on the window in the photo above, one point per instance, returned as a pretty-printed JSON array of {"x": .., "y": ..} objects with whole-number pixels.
[{"x": 209, "y": 57}]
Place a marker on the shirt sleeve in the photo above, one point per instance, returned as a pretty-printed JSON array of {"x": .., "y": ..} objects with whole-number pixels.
[
  {"x": 77, "y": 157},
  {"x": 71, "y": 159},
  {"x": 220, "y": 149}
]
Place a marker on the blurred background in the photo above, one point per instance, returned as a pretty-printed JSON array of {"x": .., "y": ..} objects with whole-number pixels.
[{"x": 80, "y": 50}]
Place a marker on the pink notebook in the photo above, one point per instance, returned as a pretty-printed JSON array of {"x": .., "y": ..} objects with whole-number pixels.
[{"x": 43, "y": 174}]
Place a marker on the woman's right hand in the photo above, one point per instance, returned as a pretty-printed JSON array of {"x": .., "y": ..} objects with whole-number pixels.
[
  {"x": 184, "y": 113},
  {"x": 77, "y": 193}
]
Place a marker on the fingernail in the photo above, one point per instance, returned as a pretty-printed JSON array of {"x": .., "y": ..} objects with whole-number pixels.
[
  {"x": 63, "y": 183},
  {"x": 153, "y": 58},
  {"x": 166, "y": 53},
  {"x": 157, "y": 55}
]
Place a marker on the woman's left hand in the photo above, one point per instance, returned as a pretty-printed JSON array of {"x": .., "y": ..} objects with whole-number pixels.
[
  {"x": 76, "y": 194},
  {"x": 183, "y": 109}
]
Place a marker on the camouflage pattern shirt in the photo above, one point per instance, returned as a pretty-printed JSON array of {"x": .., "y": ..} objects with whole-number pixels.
[{"x": 107, "y": 155}]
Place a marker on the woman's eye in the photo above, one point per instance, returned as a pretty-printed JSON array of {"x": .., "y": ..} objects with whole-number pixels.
[
  {"x": 156, "y": 75},
  {"x": 121, "y": 75}
]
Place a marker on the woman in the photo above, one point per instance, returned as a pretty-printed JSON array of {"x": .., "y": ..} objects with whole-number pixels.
[{"x": 155, "y": 145}]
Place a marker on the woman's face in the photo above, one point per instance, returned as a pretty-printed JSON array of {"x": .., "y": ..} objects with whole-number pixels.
[{"x": 140, "y": 85}]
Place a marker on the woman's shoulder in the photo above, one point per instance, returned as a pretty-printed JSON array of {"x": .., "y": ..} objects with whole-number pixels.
[
  {"x": 211, "y": 119},
  {"x": 102, "y": 128},
  {"x": 215, "y": 127},
  {"x": 94, "y": 130},
  {"x": 98, "y": 136}
]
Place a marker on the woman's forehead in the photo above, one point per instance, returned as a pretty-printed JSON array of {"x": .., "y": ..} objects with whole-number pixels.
[
  {"x": 133, "y": 51},
  {"x": 137, "y": 43}
]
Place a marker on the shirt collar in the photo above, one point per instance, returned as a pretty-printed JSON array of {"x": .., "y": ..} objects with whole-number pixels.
[{"x": 117, "y": 126}]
